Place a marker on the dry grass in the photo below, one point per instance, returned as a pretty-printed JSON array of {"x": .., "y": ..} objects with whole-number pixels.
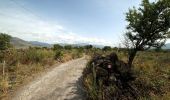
[
  {"x": 24, "y": 65},
  {"x": 153, "y": 78}
]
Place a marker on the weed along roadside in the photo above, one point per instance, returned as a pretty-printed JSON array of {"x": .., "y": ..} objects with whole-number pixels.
[{"x": 4, "y": 79}]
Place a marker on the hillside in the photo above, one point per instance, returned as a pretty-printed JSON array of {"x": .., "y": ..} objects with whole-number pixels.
[
  {"x": 40, "y": 44},
  {"x": 19, "y": 43}
]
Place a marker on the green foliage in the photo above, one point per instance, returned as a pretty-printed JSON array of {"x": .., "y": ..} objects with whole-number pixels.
[
  {"x": 77, "y": 53},
  {"x": 148, "y": 26},
  {"x": 107, "y": 48},
  {"x": 58, "y": 55},
  {"x": 57, "y": 47},
  {"x": 34, "y": 55},
  {"x": 68, "y": 47},
  {"x": 88, "y": 47},
  {"x": 4, "y": 41}
]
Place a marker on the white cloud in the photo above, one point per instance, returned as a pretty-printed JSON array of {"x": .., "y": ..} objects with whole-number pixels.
[{"x": 29, "y": 27}]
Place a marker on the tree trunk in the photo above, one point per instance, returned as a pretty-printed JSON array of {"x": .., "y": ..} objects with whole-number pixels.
[{"x": 132, "y": 55}]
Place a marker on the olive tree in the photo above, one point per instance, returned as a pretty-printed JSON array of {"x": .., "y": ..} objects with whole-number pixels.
[{"x": 148, "y": 26}]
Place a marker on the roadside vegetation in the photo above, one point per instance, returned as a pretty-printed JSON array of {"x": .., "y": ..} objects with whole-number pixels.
[
  {"x": 19, "y": 66},
  {"x": 152, "y": 72}
]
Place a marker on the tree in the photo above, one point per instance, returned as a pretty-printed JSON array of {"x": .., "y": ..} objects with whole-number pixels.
[
  {"x": 148, "y": 26},
  {"x": 88, "y": 46},
  {"x": 107, "y": 48},
  {"x": 57, "y": 47},
  {"x": 126, "y": 42},
  {"x": 4, "y": 41},
  {"x": 68, "y": 47}
]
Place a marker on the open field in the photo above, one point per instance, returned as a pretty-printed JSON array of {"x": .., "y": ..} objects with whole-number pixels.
[{"x": 152, "y": 70}]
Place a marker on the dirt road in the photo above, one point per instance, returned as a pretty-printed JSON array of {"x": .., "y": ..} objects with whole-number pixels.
[{"x": 61, "y": 83}]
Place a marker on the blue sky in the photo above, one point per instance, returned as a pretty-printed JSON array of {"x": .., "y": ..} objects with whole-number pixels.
[{"x": 68, "y": 21}]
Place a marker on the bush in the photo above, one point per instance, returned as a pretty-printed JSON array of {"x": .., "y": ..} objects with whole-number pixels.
[
  {"x": 68, "y": 47},
  {"x": 37, "y": 55},
  {"x": 58, "y": 55},
  {"x": 57, "y": 47},
  {"x": 76, "y": 54},
  {"x": 4, "y": 41}
]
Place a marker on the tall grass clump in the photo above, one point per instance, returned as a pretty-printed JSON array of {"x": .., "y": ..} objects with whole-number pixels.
[
  {"x": 4, "y": 85},
  {"x": 38, "y": 55}
]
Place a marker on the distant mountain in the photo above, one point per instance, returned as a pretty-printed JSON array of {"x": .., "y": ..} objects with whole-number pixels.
[
  {"x": 19, "y": 43},
  {"x": 84, "y": 44},
  {"x": 81, "y": 44},
  {"x": 40, "y": 44}
]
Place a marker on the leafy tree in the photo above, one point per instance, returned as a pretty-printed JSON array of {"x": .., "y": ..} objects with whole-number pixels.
[
  {"x": 68, "y": 47},
  {"x": 106, "y": 48},
  {"x": 88, "y": 47},
  {"x": 58, "y": 55},
  {"x": 148, "y": 26},
  {"x": 57, "y": 47},
  {"x": 4, "y": 41}
]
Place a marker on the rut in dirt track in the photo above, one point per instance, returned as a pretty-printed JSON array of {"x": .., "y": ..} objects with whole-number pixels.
[{"x": 61, "y": 83}]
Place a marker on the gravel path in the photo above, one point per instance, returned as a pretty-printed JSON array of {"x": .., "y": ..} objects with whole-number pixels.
[{"x": 63, "y": 82}]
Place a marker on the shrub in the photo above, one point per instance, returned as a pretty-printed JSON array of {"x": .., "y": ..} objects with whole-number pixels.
[
  {"x": 58, "y": 55},
  {"x": 37, "y": 55},
  {"x": 4, "y": 41},
  {"x": 57, "y": 47},
  {"x": 76, "y": 54},
  {"x": 68, "y": 47}
]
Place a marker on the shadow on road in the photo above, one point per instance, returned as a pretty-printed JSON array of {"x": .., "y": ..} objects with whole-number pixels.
[
  {"x": 78, "y": 90},
  {"x": 76, "y": 93}
]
